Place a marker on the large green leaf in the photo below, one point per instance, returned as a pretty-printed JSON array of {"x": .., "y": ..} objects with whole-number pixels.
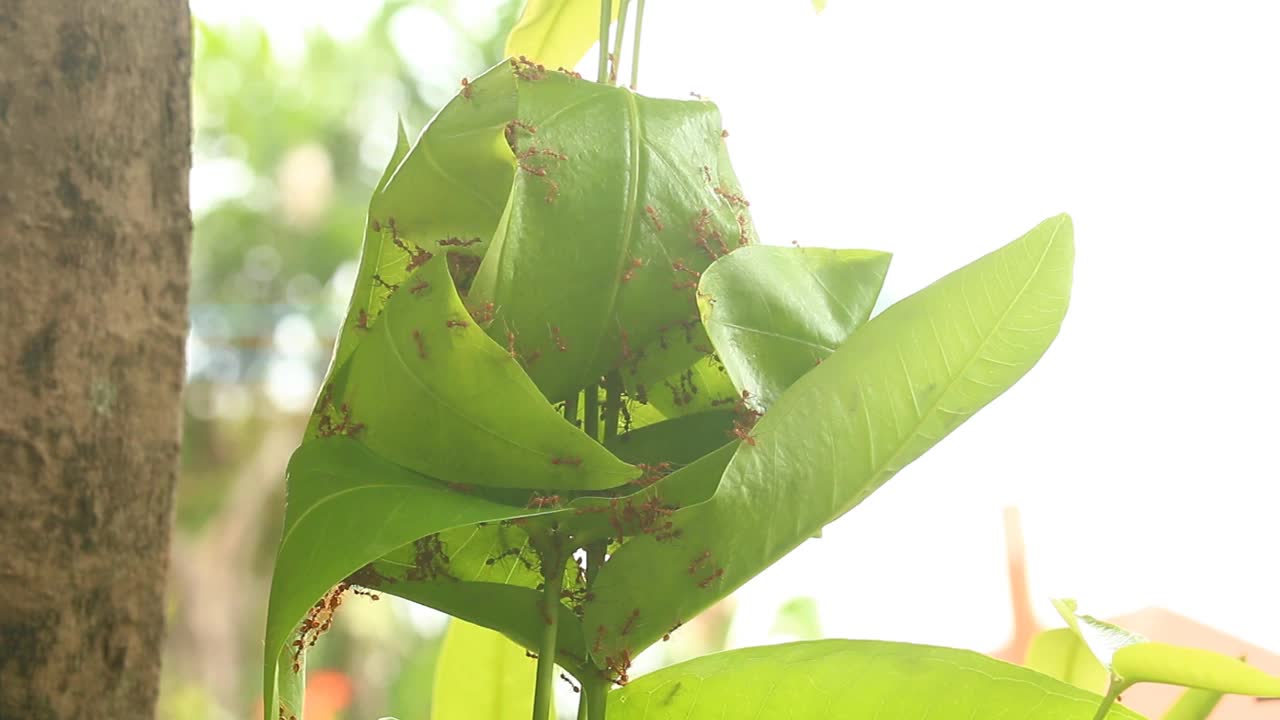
[
  {"x": 557, "y": 32},
  {"x": 826, "y": 679},
  {"x": 899, "y": 385},
  {"x": 619, "y": 203},
  {"x": 435, "y": 394},
  {"x": 481, "y": 675},
  {"x": 1192, "y": 667},
  {"x": 347, "y": 507},
  {"x": 773, "y": 313},
  {"x": 1061, "y": 654}
]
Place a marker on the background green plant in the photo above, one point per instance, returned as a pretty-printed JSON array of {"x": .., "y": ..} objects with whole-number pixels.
[{"x": 878, "y": 398}]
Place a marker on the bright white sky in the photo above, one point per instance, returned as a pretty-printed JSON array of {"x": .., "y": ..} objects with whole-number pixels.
[{"x": 1142, "y": 450}]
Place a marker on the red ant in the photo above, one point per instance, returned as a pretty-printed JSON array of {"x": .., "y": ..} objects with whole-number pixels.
[
  {"x": 575, "y": 462},
  {"x": 362, "y": 322},
  {"x": 667, "y": 635},
  {"x": 558, "y": 340},
  {"x": 698, "y": 561},
  {"x": 466, "y": 88},
  {"x": 724, "y": 133},
  {"x": 544, "y": 501},
  {"x": 455, "y": 323},
  {"x": 633, "y": 265},
  {"x": 420, "y": 287},
  {"x": 422, "y": 346},
  {"x": 458, "y": 242},
  {"x": 731, "y": 197},
  {"x": 565, "y": 678},
  {"x": 706, "y": 582},
  {"x": 653, "y": 215},
  {"x": 570, "y": 73},
  {"x": 744, "y": 237},
  {"x": 631, "y": 622},
  {"x": 377, "y": 226}
]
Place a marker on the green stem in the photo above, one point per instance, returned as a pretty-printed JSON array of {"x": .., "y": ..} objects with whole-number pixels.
[
  {"x": 617, "y": 42},
  {"x": 591, "y": 412},
  {"x": 1113, "y": 693},
  {"x": 549, "y": 608},
  {"x": 635, "y": 45},
  {"x": 596, "y": 691},
  {"x": 602, "y": 70},
  {"x": 612, "y": 405},
  {"x": 571, "y": 410},
  {"x": 595, "y": 560},
  {"x": 583, "y": 710}
]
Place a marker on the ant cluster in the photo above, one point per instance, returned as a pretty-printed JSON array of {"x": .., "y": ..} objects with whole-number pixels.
[
  {"x": 647, "y": 517},
  {"x": 482, "y": 314},
  {"x": 683, "y": 393},
  {"x": 319, "y": 619},
  {"x": 417, "y": 257},
  {"x": 744, "y": 419},
  {"x": 335, "y": 421},
  {"x": 651, "y": 473},
  {"x": 430, "y": 560},
  {"x": 526, "y": 69}
]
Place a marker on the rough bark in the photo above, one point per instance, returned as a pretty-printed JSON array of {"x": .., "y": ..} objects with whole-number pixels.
[{"x": 94, "y": 245}]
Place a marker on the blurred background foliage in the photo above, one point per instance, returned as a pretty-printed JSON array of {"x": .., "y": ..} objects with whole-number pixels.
[{"x": 290, "y": 136}]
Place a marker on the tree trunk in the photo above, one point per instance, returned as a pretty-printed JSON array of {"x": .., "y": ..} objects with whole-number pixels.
[{"x": 94, "y": 245}]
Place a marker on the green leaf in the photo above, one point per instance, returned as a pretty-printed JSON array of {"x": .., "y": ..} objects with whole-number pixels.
[
  {"x": 507, "y": 609},
  {"x": 1195, "y": 704},
  {"x": 435, "y": 394},
  {"x": 451, "y": 183},
  {"x": 1061, "y": 654},
  {"x": 1192, "y": 667},
  {"x": 773, "y": 313},
  {"x": 895, "y": 388},
  {"x": 619, "y": 203},
  {"x": 851, "y": 679},
  {"x": 481, "y": 675},
  {"x": 348, "y": 507},
  {"x": 557, "y": 32},
  {"x": 678, "y": 441},
  {"x": 1102, "y": 638}
]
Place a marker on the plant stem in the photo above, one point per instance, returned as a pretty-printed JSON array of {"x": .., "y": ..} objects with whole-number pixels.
[
  {"x": 596, "y": 691},
  {"x": 595, "y": 559},
  {"x": 1113, "y": 693},
  {"x": 635, "y": 45},
  {"x": 617, "y": 42},
  {"x": 612, "y": 404},
  {"x": 549, "y": 608},
  {"x": 571, "y": 410},
  {"x": 602, "y": 70},
  {"x": 591, "y": 412}
]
